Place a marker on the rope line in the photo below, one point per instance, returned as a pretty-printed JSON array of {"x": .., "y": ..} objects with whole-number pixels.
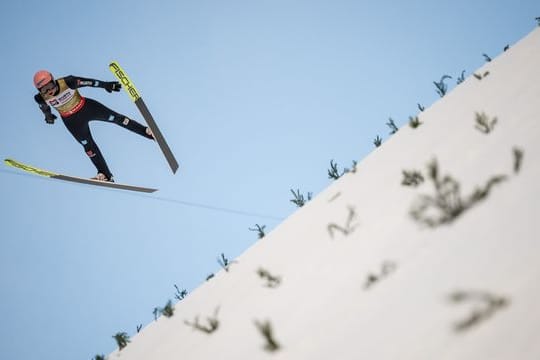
[
  {"x": 163, "y": 199},
  {"x": 210, "y": 207}
]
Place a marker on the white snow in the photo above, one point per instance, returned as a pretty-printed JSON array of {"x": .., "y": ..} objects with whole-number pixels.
[{"x": 322, "y": 309}]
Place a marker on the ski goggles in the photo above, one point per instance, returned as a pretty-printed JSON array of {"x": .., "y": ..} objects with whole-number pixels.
[{"x": 47, "y": 87}]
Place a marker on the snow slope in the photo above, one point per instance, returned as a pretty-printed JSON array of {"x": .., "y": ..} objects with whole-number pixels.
[{"x": 362, "y": 279}]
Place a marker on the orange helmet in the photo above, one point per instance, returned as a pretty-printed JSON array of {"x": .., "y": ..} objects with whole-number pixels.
[{"x": 42, "y": 77}]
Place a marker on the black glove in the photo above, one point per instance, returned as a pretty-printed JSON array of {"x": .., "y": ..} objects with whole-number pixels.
[
  {"x": 49, "y": 118},
  {"x": 112, "y": 86}
]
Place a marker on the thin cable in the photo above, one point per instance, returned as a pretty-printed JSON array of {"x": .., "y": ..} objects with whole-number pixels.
[
  {"x": 164, "y": 199},
  {"x": 209, "y": 207}
]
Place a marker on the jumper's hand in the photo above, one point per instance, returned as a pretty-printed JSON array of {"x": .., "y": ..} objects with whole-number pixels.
[
  {"x": 112, "y": 86},
  {"x": 49, "y": 118}
]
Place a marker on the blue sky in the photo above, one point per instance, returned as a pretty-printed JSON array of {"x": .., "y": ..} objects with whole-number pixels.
[{"x": 254, "y": 97}]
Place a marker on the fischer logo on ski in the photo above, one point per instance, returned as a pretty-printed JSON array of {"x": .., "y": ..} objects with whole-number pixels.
[
  {"x": 124, "y": 79},
  {"x": 28, "y": 168}
]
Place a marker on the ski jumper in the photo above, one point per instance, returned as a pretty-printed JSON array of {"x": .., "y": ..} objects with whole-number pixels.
[{"x": 77, "y": 111}]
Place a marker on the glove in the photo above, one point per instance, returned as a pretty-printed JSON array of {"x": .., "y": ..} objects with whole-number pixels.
[
  {"x": 112, "y": 86},
  {"x": 49, "y": 118}
]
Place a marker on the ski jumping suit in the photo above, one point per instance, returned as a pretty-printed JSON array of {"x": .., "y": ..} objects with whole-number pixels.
[{"x": 77, "y": 111}]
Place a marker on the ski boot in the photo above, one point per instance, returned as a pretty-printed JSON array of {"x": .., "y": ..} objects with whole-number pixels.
[
  {"x": 102, "y": 177},
  {"x": 150, "y": 133}
]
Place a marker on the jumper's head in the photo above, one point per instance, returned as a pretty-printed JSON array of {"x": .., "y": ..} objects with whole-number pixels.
[{"x": 44, "y": 82}]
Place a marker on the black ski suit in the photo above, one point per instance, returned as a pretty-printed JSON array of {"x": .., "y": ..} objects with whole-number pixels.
[{"x": 77, "y": 111}]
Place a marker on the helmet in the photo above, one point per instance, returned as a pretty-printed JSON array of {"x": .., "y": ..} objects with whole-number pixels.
[{"x": 42, "y": 77}]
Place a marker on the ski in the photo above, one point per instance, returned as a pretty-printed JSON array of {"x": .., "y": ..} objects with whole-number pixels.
[
  {"x": 40, "y": 172},
  {"x": 135, "y": 96}
]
